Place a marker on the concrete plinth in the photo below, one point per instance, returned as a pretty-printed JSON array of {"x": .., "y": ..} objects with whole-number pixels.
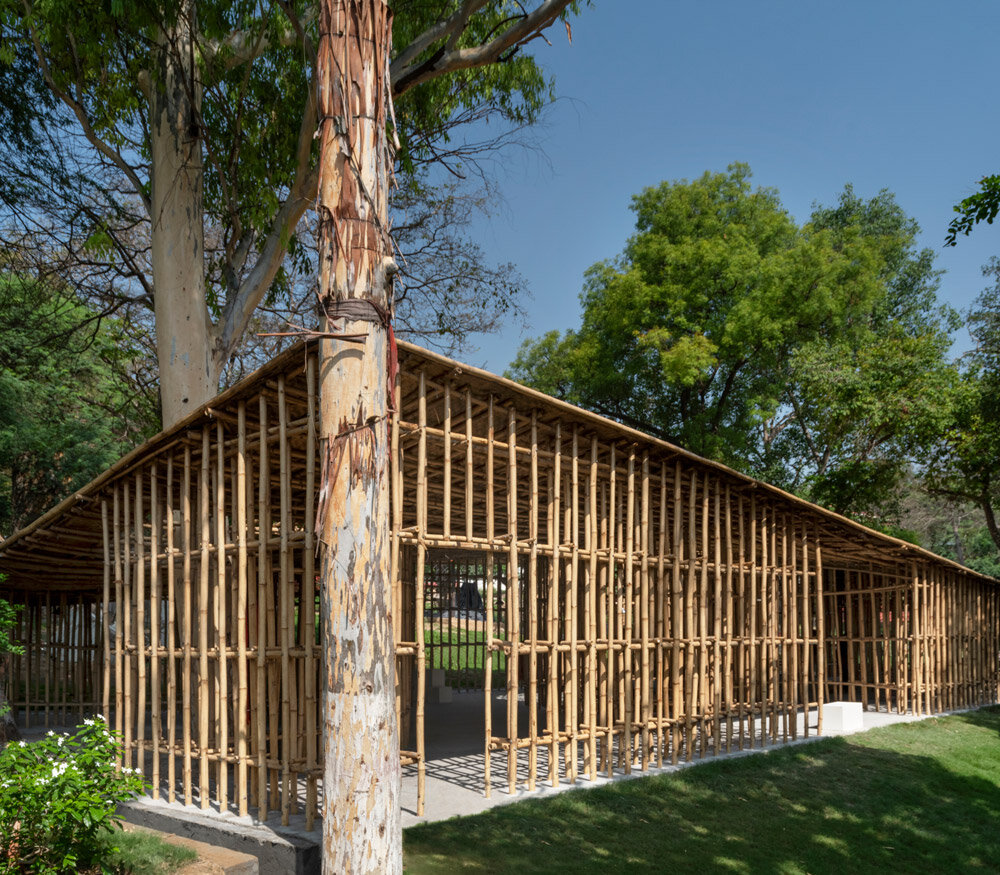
[{"x": 842, "y": 717}]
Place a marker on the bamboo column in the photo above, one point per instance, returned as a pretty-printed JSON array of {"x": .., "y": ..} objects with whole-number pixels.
[
  {"x": 513, "y": 614},
  {"x": 490, "y": 595},
  {"x": 154, "y": 625},
  {"x": 188, "y": 585},
  {"x": 263, "y": 605},
  {"x": 204, "y": 741},
  {"x": 242, "y": 701},
  {"x": 171, "y": 551},
  {"x": 421, "y": 559}
]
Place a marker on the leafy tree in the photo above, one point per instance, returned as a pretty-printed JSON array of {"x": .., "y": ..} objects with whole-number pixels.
[
  {"x": 873, "y": 389},
  {"x": 811, "y": 356},
  {"x": 172, "y": 155},
  {"x": 67, "y": 406},
  {"x": 982, "y": 206},
  {"x": 966, "y": 464}
]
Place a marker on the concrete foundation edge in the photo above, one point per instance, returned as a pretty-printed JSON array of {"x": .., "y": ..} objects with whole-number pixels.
[{"x": 277, "y": 853}]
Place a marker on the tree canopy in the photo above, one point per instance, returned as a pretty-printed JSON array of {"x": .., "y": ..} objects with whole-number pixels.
[
  {"x": 67, "y": 405},
  {"x": 162, "y": 154},
  {"x": 813, "y": 356},
  {"x": 966, "y": 464}
]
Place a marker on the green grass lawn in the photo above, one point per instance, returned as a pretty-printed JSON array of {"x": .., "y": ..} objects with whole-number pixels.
[
  {"x": 144, "y": 853},
  {"x": 917, "y": 797}
]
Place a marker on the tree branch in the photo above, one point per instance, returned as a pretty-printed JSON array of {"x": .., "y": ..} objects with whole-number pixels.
[
  {"x": 242, "y": 46},
  {"x": 406, "y": 72},
  {"x": 81, "y": 116},
  {"x": 239, "y": 310}
]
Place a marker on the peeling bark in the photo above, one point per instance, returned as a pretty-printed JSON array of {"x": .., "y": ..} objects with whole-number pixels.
[{"x": 361, "y": 822}]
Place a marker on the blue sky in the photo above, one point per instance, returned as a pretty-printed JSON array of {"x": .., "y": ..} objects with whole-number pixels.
[{"x": 897, "y": 95}]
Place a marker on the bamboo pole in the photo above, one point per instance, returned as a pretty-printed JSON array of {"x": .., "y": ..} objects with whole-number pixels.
[
  {"x": 155, "y": 602},
  {"x": 661, "y": 631},
  {"x": 553, "y": 603},
  {"x": 591, "y": 612},
  {"x": 285, "y": 606},
  {"x": 171, "y": 549},
  {"x": 644, "y": 694},
  {"x": 242, "y": 701},
  {"x": 105, "y": 619},
  {"x": 744, "y": 622},
  {"x": 187, "y": 583},
  {"x": 753, "y": 692},
  {"x": 689, "y": 622},
  {"x": 717, "y": 623},
  {"x": 140, "y": 631},
  {"x": 221, "y": 698},
  {"x": 128, "y": 644},
  {"x": 730, "y": 595},
  {"x": 787, "y": 591},
  {"x": 204, "y": 739},
  {"x": 612, "y": 604},
  {"x": 469, "y": 475},
  {"x": 446, "y": 448},
  {"x": 513, "y": 613},
  {"x": 421, "y": 559},
  {"x": 820, "y": 635},
  {"x": 764, "y": 653},
  {"x": 627, "y": 744},
  {"x": 307, "y": 603},
  {"x": 263, "y": 606},
  {"x": 572, "y": 704},
  {"x": 806, "y": 627},
  {"x": 676, "y": 624},
  {"x": 532, "y": 697},
  {"x": 488, "y": 659},
  {"x": 703, "y": 675}
]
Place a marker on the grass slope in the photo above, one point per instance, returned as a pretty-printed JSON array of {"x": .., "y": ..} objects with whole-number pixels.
[{"x": 915, "y": 797}]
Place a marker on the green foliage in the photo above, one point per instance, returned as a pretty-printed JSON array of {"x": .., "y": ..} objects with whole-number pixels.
[
  {"x": 966, "y": 463},
  {"x": 812, "y": 356},
  {"x": 144, "y": 853},
  {"x": 58, "y": 798},
  {"x": 67, "y": 409},
  {"x": 979, "y": 207},
  {"x": 914, "y": 797},
  {"x": 256, "y": 74}
]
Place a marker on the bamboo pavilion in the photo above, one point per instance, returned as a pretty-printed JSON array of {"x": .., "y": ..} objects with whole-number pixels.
[{"x": 643, "y": 604}]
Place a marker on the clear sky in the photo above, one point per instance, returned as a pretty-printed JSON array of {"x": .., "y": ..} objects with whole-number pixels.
[{"x": 898, "y": 95}]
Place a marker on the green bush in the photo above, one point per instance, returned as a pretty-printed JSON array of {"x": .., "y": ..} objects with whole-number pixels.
[{"x": 58, "y": 798}]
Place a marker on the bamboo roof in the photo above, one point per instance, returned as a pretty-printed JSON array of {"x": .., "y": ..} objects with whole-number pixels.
[{"x": 63, "y": 549}]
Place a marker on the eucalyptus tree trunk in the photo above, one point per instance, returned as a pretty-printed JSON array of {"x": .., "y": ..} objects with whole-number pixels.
[
  {"x": 361, "y": 780},
  {"x": 189, "y": 371}
]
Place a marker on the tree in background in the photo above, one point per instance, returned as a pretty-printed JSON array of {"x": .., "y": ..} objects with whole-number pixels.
[
  {"x": 811, "y": 356},
  {"x": 867, "y": 397},
  {"x": 68, "y": 405},
  {"x": 981, "y": 206},
  {"x": 966, "y": 464},
  {"x": 170, "y": 152}
]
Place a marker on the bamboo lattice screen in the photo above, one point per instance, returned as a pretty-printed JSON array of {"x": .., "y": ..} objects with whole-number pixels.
[{"x": 634, "y": 605}]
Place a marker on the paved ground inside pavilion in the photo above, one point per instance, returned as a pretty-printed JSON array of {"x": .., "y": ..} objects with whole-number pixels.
[{"x": 454, "y": 742}]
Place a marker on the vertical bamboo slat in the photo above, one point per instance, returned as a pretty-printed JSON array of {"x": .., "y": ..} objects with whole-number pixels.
[
  {"x": 242, "y": 700},
  {"x": 171, "y": 610}
]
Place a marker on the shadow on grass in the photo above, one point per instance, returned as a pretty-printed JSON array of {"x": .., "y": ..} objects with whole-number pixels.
[{"x": 834, "y": 806}]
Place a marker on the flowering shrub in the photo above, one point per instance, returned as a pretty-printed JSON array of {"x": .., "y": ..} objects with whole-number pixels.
[{"x": 58, "y": 798}]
